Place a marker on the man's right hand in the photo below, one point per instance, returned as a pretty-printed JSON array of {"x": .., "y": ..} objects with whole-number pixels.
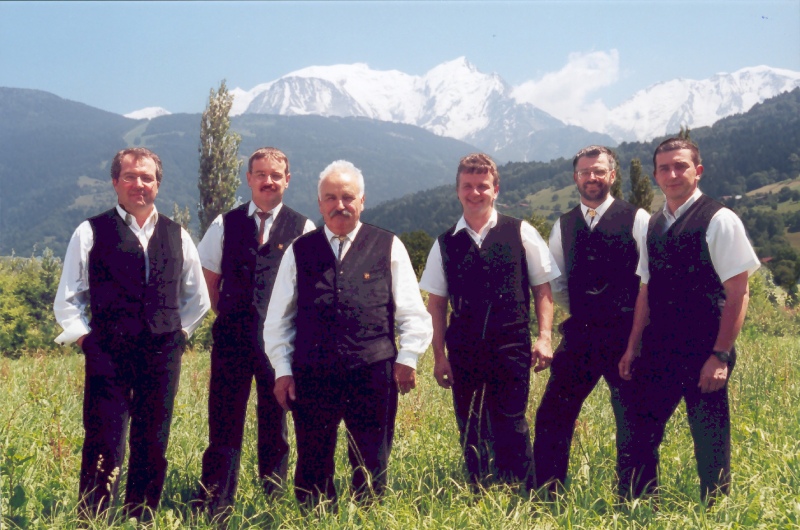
[
  {"x": 625, "y": 363},
  {"x": 284, "y": 391},
  {"x": 443, "y": 373},
  {"x": 80, "y": 340}
]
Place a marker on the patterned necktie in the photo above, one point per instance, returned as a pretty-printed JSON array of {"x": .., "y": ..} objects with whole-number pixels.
[
  {"x": 591, "y": 213},
  {"x": 263, "y": 216},
  {"x": 341, "y": 240}
]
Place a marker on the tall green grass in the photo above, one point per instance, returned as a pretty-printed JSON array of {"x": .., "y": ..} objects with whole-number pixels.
[{"x": 41, "y": 435}]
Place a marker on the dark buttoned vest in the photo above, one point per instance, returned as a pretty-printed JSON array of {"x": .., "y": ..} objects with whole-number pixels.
[
  {"x": 249, "y": 269},
  {"x": 345, "y": 311},
  {"x": 488, "y": 286},
  {"x": 685, "y": 293},
  {"x": 122, "y": 299},
  {"x": 601, "y": 265}
]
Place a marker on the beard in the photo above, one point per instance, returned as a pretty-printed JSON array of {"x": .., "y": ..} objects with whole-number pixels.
[{"x": 594, "y": 192}]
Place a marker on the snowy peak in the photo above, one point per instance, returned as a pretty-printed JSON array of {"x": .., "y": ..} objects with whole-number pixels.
[
  {"x": 147, "y": 113},
  {"x": 665, "y": 107}
]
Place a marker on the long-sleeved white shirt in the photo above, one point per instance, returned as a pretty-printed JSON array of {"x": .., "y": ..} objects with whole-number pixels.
[
  {"x": 72, "y": 297},
  {"x": 412, "y": 321},
  {"x": 559, "y": 285}
]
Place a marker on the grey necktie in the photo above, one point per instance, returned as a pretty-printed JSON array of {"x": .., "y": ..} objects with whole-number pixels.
[
  {"x": 263, "y": 216},
  {"x": 341, "y": 240}
]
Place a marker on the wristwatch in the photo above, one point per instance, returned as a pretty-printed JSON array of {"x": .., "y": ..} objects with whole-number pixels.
[{"x": 722, "y": 356}]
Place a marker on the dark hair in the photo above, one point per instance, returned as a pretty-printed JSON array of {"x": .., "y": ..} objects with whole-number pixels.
[
  {"x": 674, "y": 144},
  {"x": 137, "y": 152},
  {"x": 594, "y": 151},
  {"x": 478, "y": 163},
  {"x": 268, "y": 152}
]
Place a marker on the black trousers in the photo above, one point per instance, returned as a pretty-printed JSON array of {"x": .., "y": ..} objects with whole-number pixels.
[
  {"x": 662, "y": 380},
  {"x": 366, "y": 399},
  {"x": 490, "y": 394},
  {"x": 586, "y": 354},
  {"x": 236, "y": 358},
  {"x": 129, "y": 381}
]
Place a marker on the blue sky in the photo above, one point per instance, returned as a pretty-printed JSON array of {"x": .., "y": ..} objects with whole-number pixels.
[{"x": 123, "y": 56}]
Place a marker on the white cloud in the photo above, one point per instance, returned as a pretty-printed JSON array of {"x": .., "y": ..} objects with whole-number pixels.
[{"x": 565, "y": 93}]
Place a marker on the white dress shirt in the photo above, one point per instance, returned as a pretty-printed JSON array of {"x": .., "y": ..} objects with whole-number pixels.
[
  {"x": 541, "y": 266},
  {"x": 559, "y": 285},
  {"x": 72, "y": 297},
  {"x": 731, "y": 251},
  {"x": 412, "y": 320},
  {"x": 210, "y": 247}
]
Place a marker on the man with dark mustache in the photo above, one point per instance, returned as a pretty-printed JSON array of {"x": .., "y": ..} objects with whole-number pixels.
[
  {"x": 240, "y": 253},
  {"x": 597, "y": 245}
]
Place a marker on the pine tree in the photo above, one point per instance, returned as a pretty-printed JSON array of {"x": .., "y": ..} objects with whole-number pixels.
[
  {"x": 616, "y": 188},
  {"x": 219, "y": 163},
  {"x": 641, "y": 189}
]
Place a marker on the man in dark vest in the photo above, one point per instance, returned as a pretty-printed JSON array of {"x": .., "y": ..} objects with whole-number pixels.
[
  {"x": 240, "y": 254},
  {"x": 485, "y": 267},
  {"x": 340, "y": 293},
  {"x": 596, "y": 245},
  {"x": 694, "y": 291},
  {"x": 140, "y": 274}
]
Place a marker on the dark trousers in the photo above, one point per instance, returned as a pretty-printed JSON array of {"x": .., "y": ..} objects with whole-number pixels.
[
  {"x": 129, "y": 381},
  {"x": 662, "y": 380},
  {"x": 366, "y": 399},
  {"x": 584, "y": 355},
  {"x": 491, "y": 386},
  {"x": 236, "y": 358}
]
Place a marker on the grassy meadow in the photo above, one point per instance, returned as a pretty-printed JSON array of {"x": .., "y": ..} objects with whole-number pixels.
[{"x": 41, "y": 436}]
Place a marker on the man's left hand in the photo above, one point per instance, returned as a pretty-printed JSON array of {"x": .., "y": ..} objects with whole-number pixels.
[
  {"x": 541, "y": 354},
  {"x": 713, "y": 375},
  {"x": 405, "y": 377}
]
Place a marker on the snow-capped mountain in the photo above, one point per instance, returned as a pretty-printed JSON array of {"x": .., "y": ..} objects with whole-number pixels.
[
  {"x": 147, "y": 113},
  {"x": 453, "y": 99},
  {"x": 663, "y": 108}
]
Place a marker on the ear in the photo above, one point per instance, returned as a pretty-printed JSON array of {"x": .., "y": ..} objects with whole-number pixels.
[{"x": 699, "y": 169}]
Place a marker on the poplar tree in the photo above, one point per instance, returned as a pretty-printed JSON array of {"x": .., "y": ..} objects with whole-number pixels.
[
  {"x": 641, "y": 189},
  {"x": 219, "y": 162}
]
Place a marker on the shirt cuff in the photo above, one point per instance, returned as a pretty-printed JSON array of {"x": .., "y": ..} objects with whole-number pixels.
[
  {"x": 283, "y": 369},
  {"x": 408, "y": 358},
  {"x": 68, "y": 336}
]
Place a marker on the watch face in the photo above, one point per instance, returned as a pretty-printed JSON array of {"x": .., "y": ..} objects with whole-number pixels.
[{"x": 723, "y": 356}]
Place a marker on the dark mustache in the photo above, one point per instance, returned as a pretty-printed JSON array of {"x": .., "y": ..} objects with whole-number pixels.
[{"x": 341, "y": 212}]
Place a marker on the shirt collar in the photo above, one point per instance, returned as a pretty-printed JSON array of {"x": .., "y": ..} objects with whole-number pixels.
[
  {"x": 130, "y": 219},
  {"x": 462, "y": 224},
  {"x": 600, "y": 209},
  {"x": 252, "y": 209},
  {"x": 351, "y": 236},
  {"x": 683, "y": 207}
]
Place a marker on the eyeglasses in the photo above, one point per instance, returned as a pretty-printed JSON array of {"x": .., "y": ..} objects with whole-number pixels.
[
  {"x": 147, "y": 180},
  {"x": 598, "y": 172}
]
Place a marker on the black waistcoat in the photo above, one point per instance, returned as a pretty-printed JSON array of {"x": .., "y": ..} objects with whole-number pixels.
[
  {"x": 249, "y": 270},
  {"x": 601, "y": 265},
  {"x": 488, "y": 286},
  {"x": 685, "y": 293},
  {"x": 345, "y": 311},
  {"x": 122, "y": 301}
]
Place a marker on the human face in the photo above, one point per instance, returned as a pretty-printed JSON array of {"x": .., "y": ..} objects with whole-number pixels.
[
  {"x": 340, "y": 203},
  {"x": 592, "y": 187},
  {"x": 477, "y": 193},
  {"x": 136, "y": 186},
  {"x": 677, "y": 176},
  {"x": 268, "y": 181}
]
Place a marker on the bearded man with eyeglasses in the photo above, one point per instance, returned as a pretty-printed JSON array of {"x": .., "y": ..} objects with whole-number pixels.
[{"x": 597, "y": 245}]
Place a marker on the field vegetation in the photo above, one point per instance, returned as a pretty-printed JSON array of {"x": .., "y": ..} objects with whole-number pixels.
[{"x": 41, "y": 436}]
